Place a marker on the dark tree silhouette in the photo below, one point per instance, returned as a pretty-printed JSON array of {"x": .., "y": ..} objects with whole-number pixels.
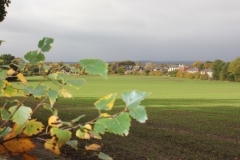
[{"x": 3, "y": 5}]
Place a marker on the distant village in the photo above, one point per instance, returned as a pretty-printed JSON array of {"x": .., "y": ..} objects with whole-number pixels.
[
  {"x": 195, "y": 70},
  {"x": 208, "y": 70}
]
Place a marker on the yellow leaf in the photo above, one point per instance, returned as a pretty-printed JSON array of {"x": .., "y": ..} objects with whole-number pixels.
[
  {"x": 33, "y": 127},
  {"x": 54, "y": 121},
  {"x": 19, "y": 145},
  {"x": 29, "y": 157},
  {"x": 21, "y": 78},
  {"x": 87, "y": 126},
  {"x": 51, "y": 144},
  {"x": 93, "y": 147},
  {"x": 106, "y": 103},
  {"x": 86, "y": 135},
  {"x": 105, "y": 115},
  {"x": 8, "y": 90},
  {"x": 10, "y": 72},
  {"x": 65, "y": 93}
]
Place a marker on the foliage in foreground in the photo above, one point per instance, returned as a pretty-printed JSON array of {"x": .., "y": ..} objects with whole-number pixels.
[{"x": 18, "y": 129}]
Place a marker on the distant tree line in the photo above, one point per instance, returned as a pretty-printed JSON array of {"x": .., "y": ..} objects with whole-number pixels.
[{"x": 224, "y": 71}]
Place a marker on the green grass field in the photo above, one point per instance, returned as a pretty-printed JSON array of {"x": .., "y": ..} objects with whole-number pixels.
[{"x": 187, "y": 119}]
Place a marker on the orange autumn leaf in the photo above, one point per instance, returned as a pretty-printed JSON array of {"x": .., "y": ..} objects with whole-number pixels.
[{"x": 17, "y": 146}]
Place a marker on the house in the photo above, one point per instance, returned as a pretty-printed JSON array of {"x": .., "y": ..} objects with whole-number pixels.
[
  {"x": 138, "y": 68},
  {"x": 127, "y": 67},
  {"x": 208, "y": 72},
  {"x": 180, "y": 67},
  {"x": 161, "y": 69},
  {"x": 183, "y": 67},
  {"x": 193, "y": 70},
  {"x": 173, "y": 67}
]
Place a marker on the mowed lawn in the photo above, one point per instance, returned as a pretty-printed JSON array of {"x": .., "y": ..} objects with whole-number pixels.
[{"x": 187, "y": 119}]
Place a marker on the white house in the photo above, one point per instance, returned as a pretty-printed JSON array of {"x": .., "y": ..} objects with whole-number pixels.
[
  {"x": 208, "y": 72},
  {"x": 193, "y": 70}
]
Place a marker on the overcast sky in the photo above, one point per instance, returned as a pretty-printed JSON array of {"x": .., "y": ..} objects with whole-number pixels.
[{"x": 116, "y": 30}]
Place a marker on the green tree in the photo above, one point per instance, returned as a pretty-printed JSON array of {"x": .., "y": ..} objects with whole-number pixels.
[
  {"x": 128, "y": 62},
  {"x": 197, "y": 64},
  {"x": 190, "y": 75},
  {"x": 234, "y": 69},
  {"x": 147, "y": 71},
  {"x": 196, "y": 75},
  {"x": 3, "y": 5},
  {"x": 207, "y": 64},
  {"x": 216, "y": 68},
  {"x": 173, "y": 73},
  {"x": 225, "y": 75},
  {"x": 204, "y": 76},
  {"x": 6, "y": 58},
  {"x": 121, "y": 70},
  {"x": 180, "y": 74}
]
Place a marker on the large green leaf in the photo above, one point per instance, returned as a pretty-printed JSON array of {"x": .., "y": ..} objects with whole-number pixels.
[
  {"x": 120, "y": 124},
  {"x": 62, "y": 135},
  {"x": 3, "y": 74},
  {"x": 4, "y": 131},
  {"x": 4, "y": 114},
  {"x": 52, "y": 95},
  {"x": 62, "y": 76},
  {"x": 94, "y": 66},
  {"x": 138, "y": 113},
  {"x": 133, "y": 98},
  {"x": 44, "y": 44},
  {"x": 76, "y": 83},
  {"x": 37, "y": 92},
  {"x": 73, "y": 144},
  {"x": 101, "y": 125},
  {"x": 34, "y": 57},
  {"x": 7, "y": 89},
  {"x": 33, "y": 127},
  {"x": 106, "y": 103},
  {"x": 52, "y": 76},
  {"x": 21, "y": 115}
]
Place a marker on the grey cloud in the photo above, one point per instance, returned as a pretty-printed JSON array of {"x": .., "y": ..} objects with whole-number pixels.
[{"x": 122, "y": 30}]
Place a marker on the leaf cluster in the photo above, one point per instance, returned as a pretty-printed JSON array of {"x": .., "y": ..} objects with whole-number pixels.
[{"x": 57, "y": 132}]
